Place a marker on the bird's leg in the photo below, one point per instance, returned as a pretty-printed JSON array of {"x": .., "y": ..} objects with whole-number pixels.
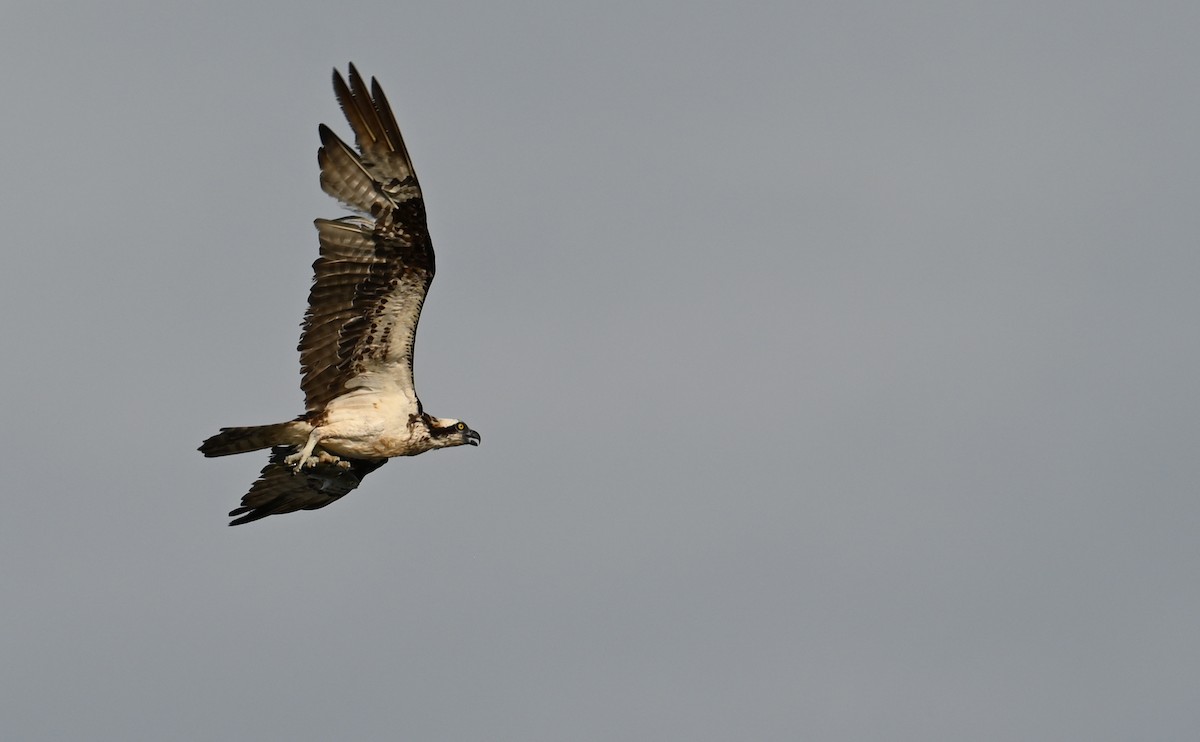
[{"x": 302, "y": 458}]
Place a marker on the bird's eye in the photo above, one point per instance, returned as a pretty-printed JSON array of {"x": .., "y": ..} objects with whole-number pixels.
[{"x": 460, "y": 426}]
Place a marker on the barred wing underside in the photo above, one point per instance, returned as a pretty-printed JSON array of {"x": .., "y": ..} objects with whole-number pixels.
[{"x": 372, "y": 275}]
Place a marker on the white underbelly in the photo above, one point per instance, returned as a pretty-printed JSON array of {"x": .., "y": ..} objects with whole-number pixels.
[{"x": 368, "y": 425}]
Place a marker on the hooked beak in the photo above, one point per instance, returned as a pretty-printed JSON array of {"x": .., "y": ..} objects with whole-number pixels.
[{"x": 472, "y": 438}]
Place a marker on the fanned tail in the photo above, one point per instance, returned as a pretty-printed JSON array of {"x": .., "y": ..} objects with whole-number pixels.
[{"x": 255, "y": 437}]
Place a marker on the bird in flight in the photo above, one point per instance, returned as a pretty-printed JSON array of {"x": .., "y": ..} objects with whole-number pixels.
[{"x": 356, "y": 347}]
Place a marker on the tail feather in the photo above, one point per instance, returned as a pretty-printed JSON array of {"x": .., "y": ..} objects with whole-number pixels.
[{"x": 253, "y": 438}]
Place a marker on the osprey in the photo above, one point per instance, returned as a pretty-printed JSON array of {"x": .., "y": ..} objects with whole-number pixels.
[{"x": 356, "y": 348}]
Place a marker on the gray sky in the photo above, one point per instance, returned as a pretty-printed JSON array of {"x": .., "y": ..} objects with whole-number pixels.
[{"x": 835, "y": 364}]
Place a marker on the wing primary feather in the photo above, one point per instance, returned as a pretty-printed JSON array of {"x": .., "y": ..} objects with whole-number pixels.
[
  {"x": 377, "y": 134},
  {"x": 388, "y": 122},
  {"x": 368, "y": 114},
  {"x": 346, "y": 178},
  {"x": 351, "y": 109}
]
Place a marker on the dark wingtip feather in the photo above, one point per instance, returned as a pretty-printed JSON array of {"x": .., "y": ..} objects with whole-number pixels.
[{"x": 250, "y": 518}]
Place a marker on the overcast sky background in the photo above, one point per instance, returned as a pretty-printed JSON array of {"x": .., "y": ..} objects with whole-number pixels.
[{"x": 836, "y": 366}]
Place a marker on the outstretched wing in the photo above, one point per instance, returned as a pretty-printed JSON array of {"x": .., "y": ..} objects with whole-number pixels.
[
  {"x": 373, "y": 273},
  {"x": 279, "y": 490}
]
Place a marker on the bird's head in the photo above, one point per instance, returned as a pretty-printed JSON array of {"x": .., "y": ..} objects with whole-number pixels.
[{"x": 445, "y": 431}]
